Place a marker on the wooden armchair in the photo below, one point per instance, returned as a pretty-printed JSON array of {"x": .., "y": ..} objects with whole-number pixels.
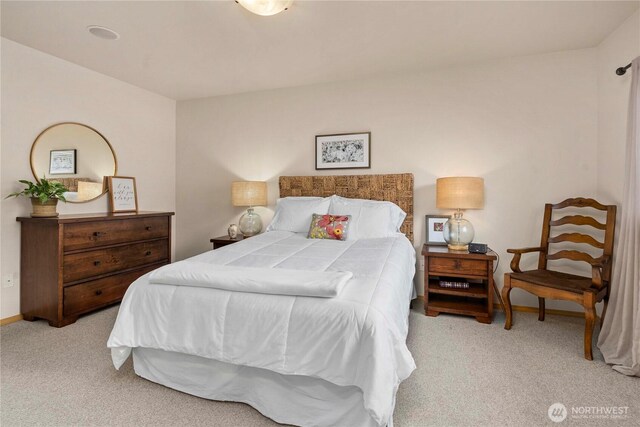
[{"x": 545, "y": 283}]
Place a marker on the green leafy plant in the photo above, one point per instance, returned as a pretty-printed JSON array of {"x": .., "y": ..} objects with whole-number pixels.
[{"x": 43, "y": 190}]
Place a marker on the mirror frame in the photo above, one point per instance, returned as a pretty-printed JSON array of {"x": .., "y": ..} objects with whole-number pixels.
[{"x": 35, "y": 142}]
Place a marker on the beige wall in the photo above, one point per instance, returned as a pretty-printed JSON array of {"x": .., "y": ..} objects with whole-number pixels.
[
  {"x": 618, "y": 49},
  {"x": 39, "y": 90},
  {"x": 527, "y": 125},
  {"x": 538, "y": 129}
]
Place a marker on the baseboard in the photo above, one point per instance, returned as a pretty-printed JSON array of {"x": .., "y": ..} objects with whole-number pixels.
[
  {"x": 11, "y": 319},
  {"x": 527, "y": 309}
]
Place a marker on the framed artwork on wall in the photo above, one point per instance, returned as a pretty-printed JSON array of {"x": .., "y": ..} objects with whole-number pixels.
[
  {"x": 435, "y": 229},
  {"x": 122, "y": 194},
  {"x": 62, "y": 162},
  {"x": 343, "y": 151}
]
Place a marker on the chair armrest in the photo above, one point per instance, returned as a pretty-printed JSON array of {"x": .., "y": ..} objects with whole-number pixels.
[
  {"x": 525, "y": 250},
  {"x": 517, "y": 253},
  {"x": 602, "y": 262},
  {"x": 598, "y": 268}
]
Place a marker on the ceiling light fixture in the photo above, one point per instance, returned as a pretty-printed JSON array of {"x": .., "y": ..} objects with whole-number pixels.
[
  {"x": 265, "y": 7},
  {"x": 103, "y": 32}
]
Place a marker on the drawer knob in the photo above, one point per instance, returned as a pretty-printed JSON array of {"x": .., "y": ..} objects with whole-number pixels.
[
  {"x": 99, "y": 292},
  {"x": 457, "y": 264},
  {"x": 148, "y": 228},
  {"x": 97, "y": 263},
  {"x": 147, "y": 253},
  {"x": 99, "y": 233}
]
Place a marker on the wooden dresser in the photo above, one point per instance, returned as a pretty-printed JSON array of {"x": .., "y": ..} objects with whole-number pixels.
[{"x": 74, "y": 264}]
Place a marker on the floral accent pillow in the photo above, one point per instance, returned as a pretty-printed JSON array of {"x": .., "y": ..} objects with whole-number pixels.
[{"x": 333, "y": 227}]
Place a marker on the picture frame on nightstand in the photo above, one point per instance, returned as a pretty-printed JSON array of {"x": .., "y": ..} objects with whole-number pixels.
[{"x": 434, "y": 225}]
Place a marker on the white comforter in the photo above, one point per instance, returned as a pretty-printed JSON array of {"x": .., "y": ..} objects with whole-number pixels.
[
  {"x": 357, "y": 338},
  {"x": 274, "y": 281}
]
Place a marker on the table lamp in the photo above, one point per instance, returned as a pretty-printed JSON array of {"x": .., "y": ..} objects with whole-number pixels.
[
  {"x": 460, "y": 192},
  {"x": 249, "y": 193}
]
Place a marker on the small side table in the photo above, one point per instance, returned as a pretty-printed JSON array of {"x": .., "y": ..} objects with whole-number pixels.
[
  {"x": 441, "y": 263},
  {"x": 221, "y": 241}
]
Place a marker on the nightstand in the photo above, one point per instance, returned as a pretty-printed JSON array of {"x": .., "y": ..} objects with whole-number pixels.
[
  {"x": 221, "y": 241},
  {"x": 441, "y": 263}
]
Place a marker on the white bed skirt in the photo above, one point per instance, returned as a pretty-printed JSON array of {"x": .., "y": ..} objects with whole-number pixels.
[{"x": 287, "y": 399}]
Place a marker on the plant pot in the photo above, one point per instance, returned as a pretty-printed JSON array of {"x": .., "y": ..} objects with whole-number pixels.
[{"x": 44, "y": 210}]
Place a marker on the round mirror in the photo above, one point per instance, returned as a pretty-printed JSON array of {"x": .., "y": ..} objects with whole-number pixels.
[{"x": 76, "y": 155}]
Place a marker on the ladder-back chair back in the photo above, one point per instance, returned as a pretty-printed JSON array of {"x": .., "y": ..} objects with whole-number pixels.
[{"x": 548, "y": 283}]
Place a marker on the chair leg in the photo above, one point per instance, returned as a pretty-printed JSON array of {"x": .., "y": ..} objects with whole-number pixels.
[
  {"x": 506, "y": 290},
  {"x": 541, "y": 309},
  {"x": 590, "y": 320},
  {"x": 604, "y": 311}
]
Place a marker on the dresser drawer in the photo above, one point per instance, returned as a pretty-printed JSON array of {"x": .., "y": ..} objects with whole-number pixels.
[
  {"x": 96, "y": 293},
  {"x": 472, "y": 267},
  {"x": 82, "y": 235},
  {"x": 83, "y": 265}
]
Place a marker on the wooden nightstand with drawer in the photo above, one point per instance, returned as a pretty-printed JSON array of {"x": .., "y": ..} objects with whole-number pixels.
[
  {"x": 75, "y": 264},
  {"x": 219, "y": 242},
  {"x": 458, "y": 268}
]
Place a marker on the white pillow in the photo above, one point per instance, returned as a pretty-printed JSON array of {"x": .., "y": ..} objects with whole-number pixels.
[
  {"x": 294, "y": 213},
  {"x": 369, "y": 218},
  {"x": 397, "y": 216}
]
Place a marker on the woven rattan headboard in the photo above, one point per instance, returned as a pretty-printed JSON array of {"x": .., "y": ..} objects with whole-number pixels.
[{"x": 396, "y": 188}]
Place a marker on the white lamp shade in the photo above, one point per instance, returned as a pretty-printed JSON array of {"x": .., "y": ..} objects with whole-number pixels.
[
  {"x": 249, "y": 193},
  {"x": 265, "y": 7},
  {"x": 460, "y": 192}
]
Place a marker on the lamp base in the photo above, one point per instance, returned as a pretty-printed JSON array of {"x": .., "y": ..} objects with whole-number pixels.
[
  {"x": 458, "y": 247},
  {"x": 458, "y": 232},
  {"x": 250, "y": 223}
]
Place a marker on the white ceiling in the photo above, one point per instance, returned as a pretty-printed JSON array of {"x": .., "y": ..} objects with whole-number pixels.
[{"x": 195, "y": 49}]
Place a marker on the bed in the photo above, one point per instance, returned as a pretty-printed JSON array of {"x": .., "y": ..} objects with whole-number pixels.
[{"x": 303, "y": 360}]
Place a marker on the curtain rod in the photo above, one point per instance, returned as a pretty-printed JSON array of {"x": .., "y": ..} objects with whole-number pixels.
[{"x": 620, "y": 71}]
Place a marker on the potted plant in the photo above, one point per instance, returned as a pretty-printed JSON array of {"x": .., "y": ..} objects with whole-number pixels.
[{"x": 44, "y": 196}]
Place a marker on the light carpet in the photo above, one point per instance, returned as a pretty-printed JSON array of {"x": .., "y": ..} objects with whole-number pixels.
[{"x": 468, "y": 374}]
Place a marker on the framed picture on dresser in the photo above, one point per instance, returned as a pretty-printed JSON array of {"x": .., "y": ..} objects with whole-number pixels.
[
  {"x": 343, "y": 151},
  {"x": 435, "y": 229},
  {"x": 122, "y": 194}
]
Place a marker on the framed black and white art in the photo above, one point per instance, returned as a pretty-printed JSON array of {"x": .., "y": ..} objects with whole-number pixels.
[
  {"x": 343, "y": 151},
  {"x": 123, "y": 196},
  {"x": 62, "y": 162}
]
